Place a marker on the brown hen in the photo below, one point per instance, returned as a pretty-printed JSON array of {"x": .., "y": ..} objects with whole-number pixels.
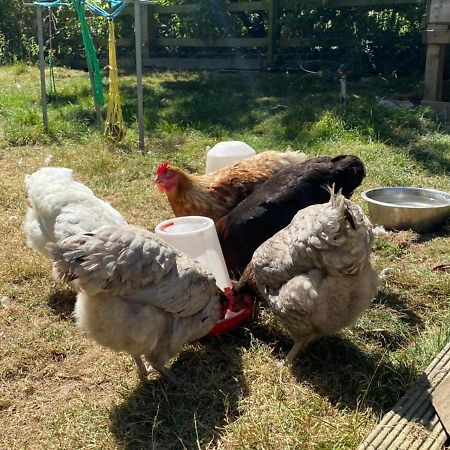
[{"x": 215, "y": 194}]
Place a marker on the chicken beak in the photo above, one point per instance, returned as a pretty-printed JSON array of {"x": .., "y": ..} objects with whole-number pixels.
[{"x": 159, "y": 184}]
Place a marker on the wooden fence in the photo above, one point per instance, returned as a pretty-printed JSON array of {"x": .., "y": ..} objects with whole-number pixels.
[{"x": 270, "y": 44}]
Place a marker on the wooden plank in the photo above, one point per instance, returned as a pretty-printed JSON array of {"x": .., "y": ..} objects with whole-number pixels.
[
  {"x": 412, "y": 423},
  {"x": 123, "y": 42},
  {"x": 286, "y": 4},
  {"x": 434, "y": 71},
  {"x": 436, "y": 36},
  {"x": 296, "y": 42},
  {"x": 221, "y": 42},
  {"x": 190, "y": 8},
  {"x": 438, "y": 107},
  {"x": 175, "y": 9},
  {"x": 204, "y": 63},
  {"x": 439, "y": 11},
  {"x": 291, "y": 4},
  {"x": 248, "y": 6},
  {"x": 441, "y": 403}
]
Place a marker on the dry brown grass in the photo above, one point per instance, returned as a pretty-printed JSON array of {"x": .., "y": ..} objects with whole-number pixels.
[{"x": 59, "y": 390}]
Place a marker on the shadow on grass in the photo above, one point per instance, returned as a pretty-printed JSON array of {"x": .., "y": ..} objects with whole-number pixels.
[
  {"x": 62, "y": 302},
  {"x": 342, "y": 372},
  {"x": 435, "y": 158},
  {"x": 350, "y": 377},
  {"x": 232, "y": 102},
  {"x": 159, "y": 415},
  {"x": 62, "y": 97},
  {"x": 444, "y": 232},
  {"x": 397, "y": 303}
]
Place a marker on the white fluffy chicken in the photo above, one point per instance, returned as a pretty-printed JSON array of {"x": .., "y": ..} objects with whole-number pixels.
[
  {"x": 61, "y": 207},
  {"x": 137, "y": 294},
  {"x": 316, "y": 274}
]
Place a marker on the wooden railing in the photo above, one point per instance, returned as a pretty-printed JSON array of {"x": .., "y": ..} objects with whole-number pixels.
[{"x": 271, "y": 42}]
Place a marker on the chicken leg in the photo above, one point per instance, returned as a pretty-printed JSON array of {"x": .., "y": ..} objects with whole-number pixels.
[
  {"x": 142, "y": 370},
  {"x": 145, "y": 368}
]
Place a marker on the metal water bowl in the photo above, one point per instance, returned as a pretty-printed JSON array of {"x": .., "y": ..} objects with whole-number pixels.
[{"x": 403, "y": 208}]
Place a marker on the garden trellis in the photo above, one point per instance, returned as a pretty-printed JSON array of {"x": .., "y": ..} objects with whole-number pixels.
[{"x": 114, "y": 121}]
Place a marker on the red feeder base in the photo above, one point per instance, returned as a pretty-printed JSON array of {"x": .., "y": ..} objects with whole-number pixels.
[{"x": 239, "y": 308}]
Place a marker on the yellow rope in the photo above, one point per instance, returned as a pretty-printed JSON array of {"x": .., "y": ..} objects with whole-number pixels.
[{"x": 114, "y": 126}]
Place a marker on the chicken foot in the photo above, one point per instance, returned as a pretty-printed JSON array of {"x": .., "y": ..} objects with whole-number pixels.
[
  {"x": 144, "y": 368},
  {"x": 161, "y": 368},
  {"x": 298, "y": 346}
]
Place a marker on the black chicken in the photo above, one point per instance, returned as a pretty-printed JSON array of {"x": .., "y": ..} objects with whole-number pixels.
[{"x": 273, "y": 204}]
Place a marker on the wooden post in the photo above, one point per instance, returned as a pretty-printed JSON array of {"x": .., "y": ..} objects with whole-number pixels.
[
  {"x": 272, "y": 32},
  {"x": 434, "y": 69},
  {"x": 138, "y": 44},
  {"x": 42, "y": 67}
]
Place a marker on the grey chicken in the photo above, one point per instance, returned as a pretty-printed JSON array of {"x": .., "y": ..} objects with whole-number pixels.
[
  {"x": 137, "y": 294},
  {"x": 316, "y": 274}
]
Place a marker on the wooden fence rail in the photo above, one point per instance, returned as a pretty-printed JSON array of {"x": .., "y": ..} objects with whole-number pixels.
[{"x": 270, "y": 43}]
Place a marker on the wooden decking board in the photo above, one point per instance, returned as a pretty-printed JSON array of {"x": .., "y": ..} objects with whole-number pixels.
[
  {"x": 412, "y": 423},
  {"x": 441, "y": 402}
]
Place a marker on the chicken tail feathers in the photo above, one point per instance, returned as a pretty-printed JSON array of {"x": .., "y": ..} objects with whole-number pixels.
[
  {"x": 349, "y": 217},
  {"x": 66, "y": 258},
  {"x": 338, "y": 202}
]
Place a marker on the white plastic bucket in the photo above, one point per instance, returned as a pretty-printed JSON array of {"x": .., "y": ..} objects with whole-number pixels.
[
  {"x": 197, "y": 237},
  {"x": 226, "y": 153}
]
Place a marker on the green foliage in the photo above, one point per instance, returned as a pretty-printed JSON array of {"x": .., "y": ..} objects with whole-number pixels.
[
  {"x": 374, "y": 39},
  {"x": 209, "y": 21},
  {"x": 17, "y": 31},
  {"x": 370, "y": 39}
]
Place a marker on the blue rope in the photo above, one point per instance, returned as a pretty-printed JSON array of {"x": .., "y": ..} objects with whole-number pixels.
[
  {"x": 50, "y": 3},
  {"x": 97, "y": 9},
  {"x": 94, "y": 7}
]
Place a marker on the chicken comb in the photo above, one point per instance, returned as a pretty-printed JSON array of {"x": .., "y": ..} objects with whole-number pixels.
[{"x": 162, "y": 168}]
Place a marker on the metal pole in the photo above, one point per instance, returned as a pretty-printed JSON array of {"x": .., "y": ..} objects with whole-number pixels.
[
  {"x": 42, "y": 68},
  {"x": 140, "y": 102}
]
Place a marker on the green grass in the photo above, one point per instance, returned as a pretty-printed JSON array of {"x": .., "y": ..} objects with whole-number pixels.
[{"x": 59, "y": 390}]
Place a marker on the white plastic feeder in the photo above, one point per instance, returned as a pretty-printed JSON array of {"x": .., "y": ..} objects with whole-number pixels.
[
  {"x": 226, "y": 153},
  {"x": 197, "y": 237}
]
